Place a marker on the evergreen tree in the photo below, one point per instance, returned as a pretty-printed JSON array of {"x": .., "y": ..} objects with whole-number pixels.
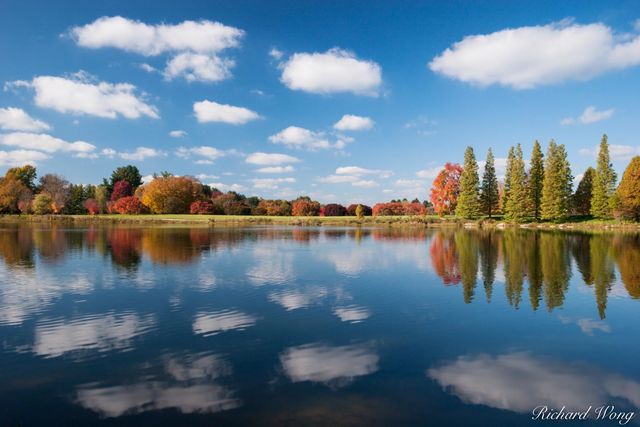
[
  {"x": 556, "y": 186},
  {"x": 489, "y": 197},
  {"x": 515, "y": 206},
  {"x": 604, "y": 184},
  {"x": 469, "y": 200},
  {"x": 536, "y": 176},
  {"x": 581, "y": 203},
  {"x": 507, "y": 176}
]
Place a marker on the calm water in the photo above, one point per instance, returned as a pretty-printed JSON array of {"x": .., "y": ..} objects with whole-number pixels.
[{"x": 293, "y": 326}]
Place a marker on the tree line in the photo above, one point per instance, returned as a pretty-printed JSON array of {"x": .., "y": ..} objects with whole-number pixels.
[{"x": 543, "y": 192}]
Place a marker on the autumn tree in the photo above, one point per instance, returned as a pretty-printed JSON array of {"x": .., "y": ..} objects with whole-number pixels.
[
  {"x": 489, "y": 197},
  {"x": 535, "y": 180},
  {"x": 469, "y": 198},
  {"x": 121, "y": 189},
  {"x": 42, "y": 204},
  {"x": 445, "y": 189},
  {"x": 12, "y": 192},
  {"x": 305, "y": 207},
  {"x": 170, "y": 195},
  {"x": 556, "y": 186},
  {"x": 101, "y": 197},
  {"x": 581, "y": 200},
  {"x": 57, "y": 188},
  {"x": 604, "y": 183},
  {"x": 628, "y": 193},
  {"x": 515, "y": 208},
  {"x": 25, "y": 174}
]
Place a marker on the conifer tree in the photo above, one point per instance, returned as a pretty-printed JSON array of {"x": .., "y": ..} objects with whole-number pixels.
[
  {"x": 469, "y": 200},
  {"x": 604, "y": 183},
  {"x": 507, "y": 176},
  {"x": 515, "y": 208},
  {"x": 556, "y": 186},
  {"x": 489, "y": 197},
  {"x": 534, "y": 183},
  {"x": 581, "y": 200}
]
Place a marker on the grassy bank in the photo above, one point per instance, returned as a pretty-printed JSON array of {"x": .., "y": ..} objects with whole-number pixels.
[{"x": 241, "y": 220}]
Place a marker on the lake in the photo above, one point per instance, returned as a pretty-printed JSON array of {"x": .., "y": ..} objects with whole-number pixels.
[{"x": 314, "y": 326}]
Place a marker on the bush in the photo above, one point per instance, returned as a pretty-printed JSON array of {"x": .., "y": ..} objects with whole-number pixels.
[
  {"x": 129, "y": 205},
  {"x": 201, "y": 207},
  {"x": 333, "y": 209},
  {"x": 302, "y": 207},
  {"x": 398, "y": 208},
  {"x": 92, "y": 206},
  {"x": 42, "y": 204},
  {"x": 351, "y": 210},
  {"x": 170, "y": 195},
  {"x": 121, "y": 189},
  {"x": 275, "y": 207}
]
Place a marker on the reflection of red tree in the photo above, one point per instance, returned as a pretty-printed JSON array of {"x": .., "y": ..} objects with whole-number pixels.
[
  {"x": 125, "y": 245},
  {"x": 444, "y": 258}
]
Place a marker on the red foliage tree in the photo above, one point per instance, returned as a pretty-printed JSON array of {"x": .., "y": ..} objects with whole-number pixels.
[
  {"x": 303, "y": 207},
  {"x": 366, "y": 210},
  {"x": 333, "y": 209},
  {"x": 92, "y": 206},
  {"x": 398, "y": 208},
  {"x": 445, "y": 190},
  {"x": 121, "y": 189},
  {"x": 274, "y": 207},
  {"x": 201, "y": 207},
  {"x": 130, "y": 205}
]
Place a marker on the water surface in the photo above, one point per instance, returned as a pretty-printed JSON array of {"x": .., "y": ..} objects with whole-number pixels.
[{"x": 314, "y": 326}]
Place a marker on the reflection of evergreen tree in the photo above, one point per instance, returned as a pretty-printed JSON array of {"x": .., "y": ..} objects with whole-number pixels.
[
  {"x": 467, "y": 245},
  {"x": 627, "y": 254},
  {"x": 580, "y": 248},
  {"x": 556, "y": 268},
  {"x": 489, "y": 249},
  {"x": 602, "y": 270},
  {"x": 514, "y": 265},
  {"x": 534, "y": 269}
]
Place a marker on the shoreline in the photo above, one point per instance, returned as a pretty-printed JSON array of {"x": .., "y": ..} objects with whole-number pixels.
[{"x": 314, "y": 221}]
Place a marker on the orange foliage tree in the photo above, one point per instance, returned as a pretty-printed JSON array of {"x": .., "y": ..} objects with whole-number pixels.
[
  {"x": 446, "y": 188},
  {"x": 171, "y": 194}
]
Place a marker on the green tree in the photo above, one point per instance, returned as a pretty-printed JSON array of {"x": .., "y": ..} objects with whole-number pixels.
[
  {"x": 604, "y": 184},
  {"x": 556, "y": 186},
  {"x": 581, "y": 200},
  {"x": 75, "y": 205},
  {"x": 507, "y": 176},
  {"x": 534, "y": 183},
  {"x": 102, "y": 196},
  {"x": 489, "y": 197},
  {"x": 42, "y": 204},
  {"x": 515, "y": 208},
  {"x": 468, "y": 200},
  {"x": 360, "y": 212},
  {"x": 628, "y": 193},
  {"x": 25, "y": 174},
  {"x": 127, "y": 173}
]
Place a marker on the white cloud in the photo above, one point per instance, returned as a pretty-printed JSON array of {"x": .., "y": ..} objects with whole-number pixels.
[
  {"x": 196, "y": 44},
  {"x": 209, "y": 153},
  {"x": 140, "y": 153},
  {"x": 148, "y": 68},
  {"x": 297, "y": 137},
  {"x": 204, "y": 177},
  {"x": 178, "y": 134},
  {"x": 79, "y": 95},
  {"x": 44, "y": 142},
  {"x": 358, "y": 171},
  {"x": 21, "y": 157},
  {"x": 526, "y": 57},
  {"x": 17, "y": 119},
  {"x": 270, "y": 159},
  {"x": 338, "y": 179},
  {"x": 276, "y": 54},
  {"x": 228, "y": 187},
  {"x": 276, "y": 169},
  {"x": 409, "y": 183},
  {"x": 364, "y": 183},
  {"x": 589, "y": 115},
  {"x": 209, "y": 111},
  {"x": 618, "y": 153},
  {"x": 334, "y": 71},
  {"x": 271, "y": 183},
  {"x": 197, "y": 67},
  {"x": 429, "y": 173},
  {"x": 351, "y": 122}
]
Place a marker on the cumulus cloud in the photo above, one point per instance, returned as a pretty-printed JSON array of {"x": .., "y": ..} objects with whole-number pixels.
[
  {"x": 271, "y": 183},
  {"x": 209, "y": 153},
  {"x": 589, "y": 115},
  {"x": 301, "y": 138},
  {"x": 276, "y": 53},
  {"x": 429, "y": 173},
  {"x": 209, "y": 111},
  {"x": 358, "y": 171},
  {"x": 334, "y": 71},
  {"x": 79, "y": 94},
  {"x": 21, "y": 157},
  {"x": 228, "y": 187},
  {"x": 618, "y": 153},
  {"x": 354, "y": 180},
  {"x": 139, "y": 154},
  {"x": 351, "y": 122},
  {"x": 47, "y": 143},
  {"x": 270, "y": 159},
  {"x": 526, "y": 57},
  {"x": 17, "y": 119},
  {"x": 196, "y": 44},
  {"x": 178, "y": 134},
  {"x": 276, "y": 169}
]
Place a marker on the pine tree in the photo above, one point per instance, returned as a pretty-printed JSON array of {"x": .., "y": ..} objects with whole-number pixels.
[
  {"x": 556, "y": 186},
  {"x": 581, "y": 200},
  {"x": 507, "y": 176},
  {"x": 469, "y": 200},
  {"x": 516, "y": 207},
  {"x": 604, "y": 184},
  {"x": 536, "y": 176},
  {"x": 489, "y": 197}
]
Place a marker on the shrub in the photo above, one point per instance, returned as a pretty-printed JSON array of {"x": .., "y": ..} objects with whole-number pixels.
[
  {"x": 92, "y": 206},
  {"x": 351, "y": 210},
  {"x": 398, "y": 208},
  {"x": 129, "y": 205},
  {"x": 334, "y": 209},
  {"x": 42, "y": 204},
  {"x": 303, "y": 207},
  {"x": 170, "y": 195},
  {"x": 275, "y": 207},
  {"x": 121, "y": 189},
  {"x": 201, "y": 207}
]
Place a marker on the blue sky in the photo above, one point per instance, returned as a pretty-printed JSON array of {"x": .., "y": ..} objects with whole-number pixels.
[{"x": 257, "y": 90}]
